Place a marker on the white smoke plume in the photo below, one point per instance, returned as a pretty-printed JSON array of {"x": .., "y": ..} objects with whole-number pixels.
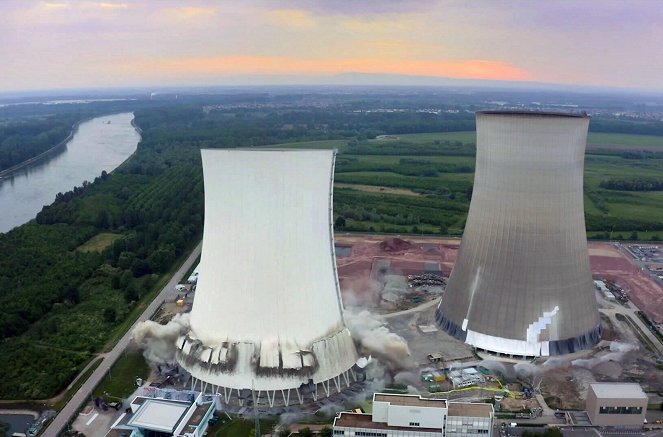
[
  {"x": 361, "y": 292},
  {"x": 158, "y": 341},
  {"x": 617, "y": 353},
  {"x": 498, "y": 367},
  {"x": 529, "y": 372},
  {"x": 408, "y": 378},
  {"x": 375, "y": 339}
]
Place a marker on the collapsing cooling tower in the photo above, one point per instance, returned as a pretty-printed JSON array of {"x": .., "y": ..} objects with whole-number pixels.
[
  {"x": 522, "y": 284},
  {"x": 267, "y": 314}
]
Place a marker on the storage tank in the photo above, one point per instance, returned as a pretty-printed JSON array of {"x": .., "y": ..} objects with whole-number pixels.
[
  {"x": 268, "y": 314},
  {"x": 522, "y": 283}
]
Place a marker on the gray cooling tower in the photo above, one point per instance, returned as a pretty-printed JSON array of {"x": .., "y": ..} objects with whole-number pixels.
[{"x": 522, "y": 284}]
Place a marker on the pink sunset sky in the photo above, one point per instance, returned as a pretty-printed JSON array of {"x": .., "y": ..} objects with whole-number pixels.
[{"x": 77, "y": 44}]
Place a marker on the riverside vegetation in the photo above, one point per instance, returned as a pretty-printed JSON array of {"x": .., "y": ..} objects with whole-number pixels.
[{"x": 61, "y": 306}]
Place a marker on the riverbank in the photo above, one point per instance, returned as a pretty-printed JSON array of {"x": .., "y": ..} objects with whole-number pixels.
[
  {"x": 59, "y": 146},
  {"x": 42, "y": 155},
  {"x": 140, "y": 137},
  {"x": 92, "y": 147}
]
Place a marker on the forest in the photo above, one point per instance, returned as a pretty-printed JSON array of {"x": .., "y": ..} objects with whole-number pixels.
[{"x": 20, "y": 141}]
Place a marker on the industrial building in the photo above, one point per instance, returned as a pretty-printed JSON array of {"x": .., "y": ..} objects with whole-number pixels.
[
  {"x": 616, "y": 404},
  {"x": 267, "y": 319},
  {"x": 416, "y": 416},
  {"x": 158, "y": 412},
  {"x": 466, "y": 377},
  {"x": 522, "y": 285}
]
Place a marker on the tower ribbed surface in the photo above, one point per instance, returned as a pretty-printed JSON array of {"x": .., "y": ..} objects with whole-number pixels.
[
  {"x": 522, "y": 283},
  {"x": 267, "y": 313}
]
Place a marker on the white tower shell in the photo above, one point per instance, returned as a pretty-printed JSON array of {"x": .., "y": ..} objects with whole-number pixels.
[
  {"x": 267, "y": 313},
  {"x": 522, "y": 283}
]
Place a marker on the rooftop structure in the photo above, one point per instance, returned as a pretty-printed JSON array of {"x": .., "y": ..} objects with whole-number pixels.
[
  {"x": 159, "y": 415},
  {"x": 166, "y": 413},
  {"x": 466, "y": 377},
  {"x": 617, "y": 390},
  {"x": 522, "y": 284},
  {"x": 413, "y": 415},
  {"x": 268, "y": 315}
]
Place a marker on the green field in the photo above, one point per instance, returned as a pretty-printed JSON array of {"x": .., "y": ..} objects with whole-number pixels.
[
  {"x": 120, "y": 382},
  {"x": 240, "y": 427},
  {"x": 439, "y": 167},
  {"x": 99, "y": 242},
  {"x": 327, "y": 144},
  {"x": 595, "y": 138},
  {"x": 628, "y": 140}
]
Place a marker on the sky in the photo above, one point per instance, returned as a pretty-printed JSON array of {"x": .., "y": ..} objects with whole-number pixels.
[{"x": 82, "y": 44}]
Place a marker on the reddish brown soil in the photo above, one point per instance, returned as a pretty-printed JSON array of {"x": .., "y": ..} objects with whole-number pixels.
[
  {"x": 357, "y": 281},
  {"x": 608, "y": 262},
  {"x": 357, "y": 272},
  {"x": 395, "y": 245}
]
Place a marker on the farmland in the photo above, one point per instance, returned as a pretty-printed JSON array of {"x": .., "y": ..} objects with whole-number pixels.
[{"x": 440, "y": 168}]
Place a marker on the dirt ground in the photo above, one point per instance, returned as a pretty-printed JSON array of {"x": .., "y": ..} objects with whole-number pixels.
[
  {"x": 377, "y": 189},
  {"x": 357, "y": 272},
  {"x": 608, "y": 262},
  {"x": 361, "y": 273},
  {"x": 565, "y": 382},
  {"x": 510, "y": 404}
]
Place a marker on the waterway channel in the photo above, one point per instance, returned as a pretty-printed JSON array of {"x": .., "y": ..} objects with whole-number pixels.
[{"x": 101, "y": 143}]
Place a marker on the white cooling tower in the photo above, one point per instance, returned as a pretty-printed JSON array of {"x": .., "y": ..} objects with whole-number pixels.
[
  {"x": 522, "y": 284},
  {"x": 267, "y": 314}
]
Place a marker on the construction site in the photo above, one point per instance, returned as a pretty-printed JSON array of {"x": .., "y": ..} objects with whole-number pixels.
[{"x": 384, "y": 276}]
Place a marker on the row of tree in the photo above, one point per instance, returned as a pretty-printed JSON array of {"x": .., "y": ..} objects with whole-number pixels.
[{"x": 633, "y": 184}]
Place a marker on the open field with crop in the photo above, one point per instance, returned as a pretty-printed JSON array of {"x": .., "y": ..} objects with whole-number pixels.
[{"x": 376, "y": 179}]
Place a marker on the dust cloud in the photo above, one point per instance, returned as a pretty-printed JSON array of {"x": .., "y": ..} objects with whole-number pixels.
[
  {"x": 373, "y": 338},
  {"x": 158, "y": 341}
]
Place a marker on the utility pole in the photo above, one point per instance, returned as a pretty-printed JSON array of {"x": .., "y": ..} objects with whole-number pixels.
[{"x": 255, "y": 411}]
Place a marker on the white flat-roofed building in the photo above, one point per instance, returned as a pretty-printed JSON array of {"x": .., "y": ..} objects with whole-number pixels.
[
  {"x": 466, "y": 377},
  {"x": 616, "y": 404},
  {"x": 416, "y": 416},
  {"x": 159, "y": 415},
  {"x": 185, "y": 416},
  {"x": 268, "y": 314}
]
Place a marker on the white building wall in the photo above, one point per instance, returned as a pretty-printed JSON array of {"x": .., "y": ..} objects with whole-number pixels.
[
  {"x": 380, "y": 411},
  {"x": 423, "y": 417},
  {"x": 462, "y": 426},
  {"x": 366, "y": 432}
]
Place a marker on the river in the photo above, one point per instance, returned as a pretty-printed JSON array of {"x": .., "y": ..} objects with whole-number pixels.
[{"x": 99, "y": 144}]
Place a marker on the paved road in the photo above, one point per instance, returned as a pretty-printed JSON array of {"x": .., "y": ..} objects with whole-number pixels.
[
  {"x": 631, "y": 312},
  {"x": 416, "y": 309},
  {"x": 83, "y": 394}
]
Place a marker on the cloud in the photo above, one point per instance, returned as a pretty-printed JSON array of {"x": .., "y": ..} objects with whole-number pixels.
[
  {"x": 403, "y": 48},
  {"x": 107, "y": 5},
  {"x": 53, "y": 6},
  {"x": 77, "y": 43},
  {"x": 190, "y": 12},
  {"x": 227, "y": 65},
  {"x": 355, "y": 8},
  {"x": 292, "y": 18},
  {"x": 380, "y": 25}
]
